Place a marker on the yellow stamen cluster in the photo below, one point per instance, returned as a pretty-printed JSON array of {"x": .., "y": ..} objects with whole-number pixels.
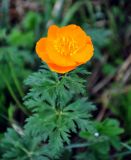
[{"x": 66, "y": 46}]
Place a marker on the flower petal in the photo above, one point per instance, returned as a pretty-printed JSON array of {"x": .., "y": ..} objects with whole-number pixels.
[
  {"x": 75, "y": 32},
  {"x": 85, "y": 53},
  {"x": 53, "y": 31},
  {"x": 58, "y": 58},
  {"x": 60, "y": 69},
  {"x": 41, "y": 49}
]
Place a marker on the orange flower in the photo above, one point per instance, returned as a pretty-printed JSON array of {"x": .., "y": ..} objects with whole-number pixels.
[{"x": 65, "y": 48}]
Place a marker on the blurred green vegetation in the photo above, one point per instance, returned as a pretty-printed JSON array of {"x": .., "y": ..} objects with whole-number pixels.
[{"x": 23, "y": 22}]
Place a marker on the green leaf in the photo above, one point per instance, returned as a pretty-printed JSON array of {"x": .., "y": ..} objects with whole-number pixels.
[
  {"x": 21, "y": 147},
  {"x": 108, "y": 69},
  {"x": 111, "y": 127},
  {"x": 31, "y": 20},
  {"x": 49, "y": 121},
  {"x": 18, "y": 39},
  {"x": 46, "y": 85}
]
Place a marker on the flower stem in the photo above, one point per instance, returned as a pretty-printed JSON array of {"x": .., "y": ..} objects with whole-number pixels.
[
  {"x": 13, "y": 94},
  {"x": 17, "y": 84}
]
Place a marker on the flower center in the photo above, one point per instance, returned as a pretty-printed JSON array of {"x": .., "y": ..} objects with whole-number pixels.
[{"x": 66, "y": 46}]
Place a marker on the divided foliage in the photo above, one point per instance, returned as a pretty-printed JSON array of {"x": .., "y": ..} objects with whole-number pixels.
[
  {"x": 56, "y": 113},
  {"x": 107, "y": 136},
  {"x": 53, "y": 100},
  {"x": 22, "y": 147}
]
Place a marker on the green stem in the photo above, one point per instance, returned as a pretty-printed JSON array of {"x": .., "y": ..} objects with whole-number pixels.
[
  {"x": 126, "y": 146},
  {"x": 4, "y": 117},
  {"x": 15, "y": 79},
  {"x": 81, "y": 145},
  {"x": 29, "y": 154},
  {"x": 13, "y": 94},
  {"x": 77, "y": 145},
  {"x": 122, "y": 154}
]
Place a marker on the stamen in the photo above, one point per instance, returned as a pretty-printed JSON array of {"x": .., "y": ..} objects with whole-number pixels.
[{"x": 66, "y": 46}]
